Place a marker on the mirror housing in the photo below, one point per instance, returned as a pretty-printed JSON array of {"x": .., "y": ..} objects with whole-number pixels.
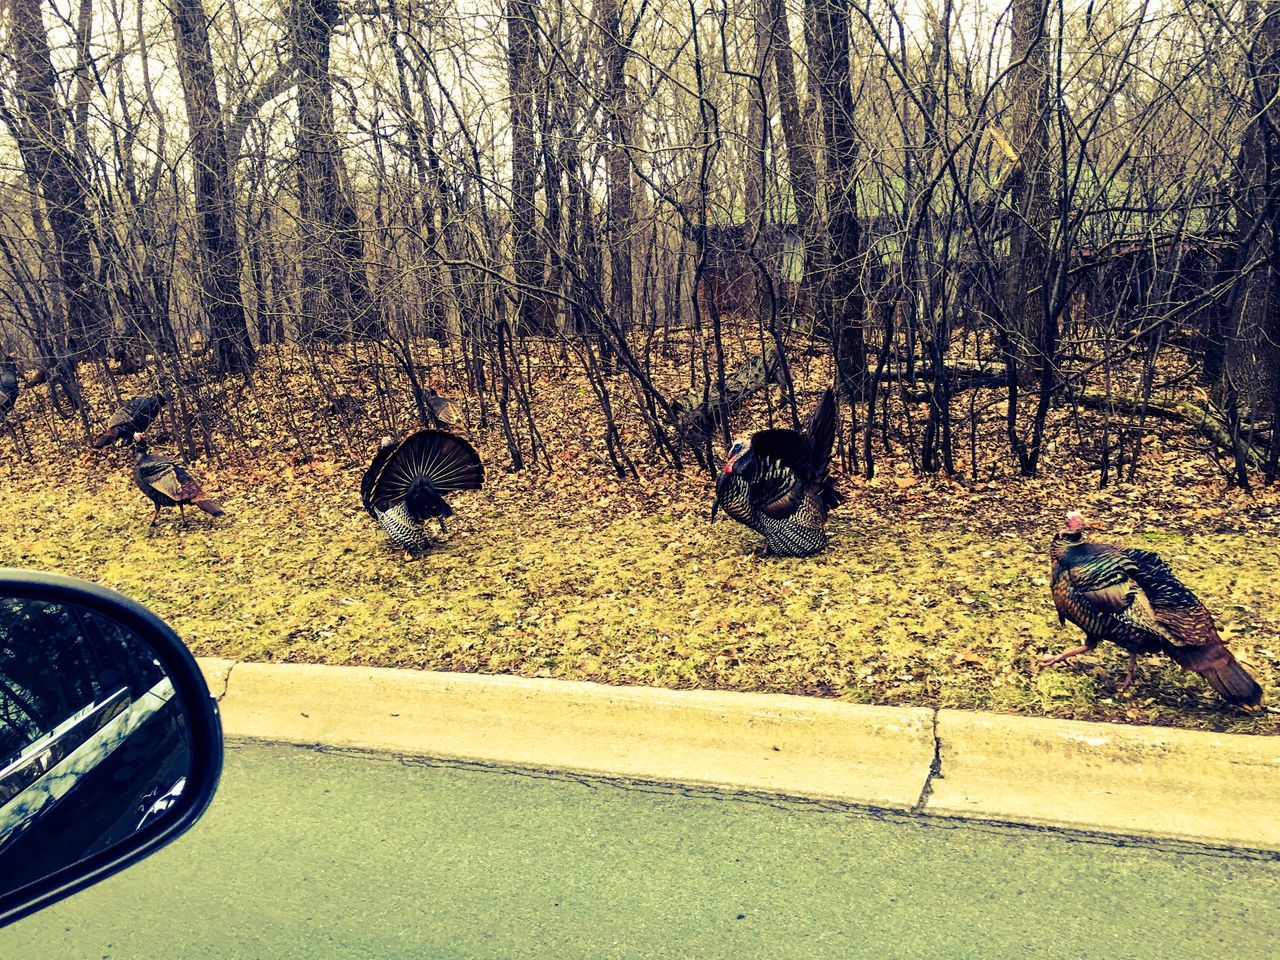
[{"x": 93, "y": 734}]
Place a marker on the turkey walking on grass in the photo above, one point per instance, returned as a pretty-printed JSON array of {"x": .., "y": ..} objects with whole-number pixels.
[
  {"x": 132, "y": 416},
  {"x": 1132, "y": 598},
  {"x": 168, "y": 483},
  {"x": 407, "y": 482},
  {"x": 9, "y": 385},
  {"x": 776, "y": 482}
]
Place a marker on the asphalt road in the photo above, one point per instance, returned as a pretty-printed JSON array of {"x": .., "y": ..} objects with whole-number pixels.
[{"x": 316, "y": 855}]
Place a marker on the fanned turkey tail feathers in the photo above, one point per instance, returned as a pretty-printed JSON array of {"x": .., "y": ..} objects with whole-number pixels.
[
  {"x": 444, "y": 462},
  {"x": 821, "y": 431},
  {"x": 370, "y": 478}
]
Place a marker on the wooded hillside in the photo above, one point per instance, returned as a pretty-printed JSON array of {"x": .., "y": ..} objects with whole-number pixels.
[{"x": 1041, "y": 204}]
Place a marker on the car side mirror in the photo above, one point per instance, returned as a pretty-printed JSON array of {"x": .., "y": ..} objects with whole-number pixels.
[{"x": 110, "y": 744}]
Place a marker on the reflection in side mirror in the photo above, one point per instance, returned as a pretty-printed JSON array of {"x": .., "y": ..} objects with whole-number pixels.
[{"x": 109, "y": 742}]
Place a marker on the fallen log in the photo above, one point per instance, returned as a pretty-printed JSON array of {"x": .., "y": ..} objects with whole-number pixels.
[
  {"x": 1208, "y": 422},
  {"x": 696, "y": 413}
]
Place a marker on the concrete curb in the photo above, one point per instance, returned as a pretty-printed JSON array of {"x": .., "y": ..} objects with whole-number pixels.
[
  {"x": 1209, "y": 788},
  {"x": 1150, "y": 781}
]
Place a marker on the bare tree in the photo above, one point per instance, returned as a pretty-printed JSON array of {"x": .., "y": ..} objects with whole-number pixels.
[
  {"x": 213, "y": 191},
  {"x": 59, "y": 180},
  {"x": 336, "y": 299},
  {"x": 841, "y": 302}
]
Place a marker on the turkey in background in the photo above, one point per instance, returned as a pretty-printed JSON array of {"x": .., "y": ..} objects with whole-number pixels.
[
  {"x": 777, "y": 483},
  {"x": 407, "y": 481},
  {"x": 8, "y": 383},
  {"x": 131, "y": 417},
  {"x": 1132, "y": 598},
  {"x": 442, "y": 411}
]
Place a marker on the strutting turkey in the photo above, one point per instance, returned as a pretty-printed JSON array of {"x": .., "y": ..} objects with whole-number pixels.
[
  {"x": 9, "y": 385},
  {"x": 132, "y": 416},
  {"x": 168, "y": 483},
  {"x": 407, "y": 482},
  {"x": 776, "y": 482},
  {"x": 1132, "y": 598}
]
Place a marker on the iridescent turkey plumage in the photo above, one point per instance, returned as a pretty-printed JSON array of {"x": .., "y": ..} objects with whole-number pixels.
[
  {"x": 777, "y": 483},
  {"x": 168, "y": 482},
  {"x": 1132, "y": 598}
]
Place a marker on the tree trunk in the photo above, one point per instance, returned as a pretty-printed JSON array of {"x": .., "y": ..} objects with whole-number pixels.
[
  {"x": 1026, "y": 293},
  {"x": 621, "y": 188},
  {"x": 336, "y": 300},
  {"x": 1254, "y": 321},
  {"x": 56, "y": 176},
  {"x": 800, "y": 163},
  {"x": 526, "y": 253},
  {"x": 220, "y": 248},
  {"x": 841, "y": 306}
]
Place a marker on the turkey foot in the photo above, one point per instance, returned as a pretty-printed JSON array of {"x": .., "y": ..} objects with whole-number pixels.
[{"x": 1128, "y": 677}]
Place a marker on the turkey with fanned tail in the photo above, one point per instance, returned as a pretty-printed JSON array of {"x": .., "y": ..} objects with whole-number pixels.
[
  {"x": 408, "y": 479},
  {"x": 777, "y": 483}
]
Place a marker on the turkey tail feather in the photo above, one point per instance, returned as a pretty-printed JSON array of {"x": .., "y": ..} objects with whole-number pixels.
[
  {"x": 370, "y": 479},
  {"x": 831, "y": 497},
  {"x": 1215, "y": 663},
  {"x": 822, "y": 432},
  {"x": 209, "y": 505},
  {"x": 444, "y": 461}
]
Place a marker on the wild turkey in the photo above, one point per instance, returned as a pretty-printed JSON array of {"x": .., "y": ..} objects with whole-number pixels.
[
  {"x": 408, "y": 479},
  {"x": 776, "y": 483},
  {"x": 9, "y": 385},
  {"x": 168, "y": 483},
  {"x": 132, "y": 416},
  {"x": 442, "y": 411},
  {"x": 1132, "y": 598}
]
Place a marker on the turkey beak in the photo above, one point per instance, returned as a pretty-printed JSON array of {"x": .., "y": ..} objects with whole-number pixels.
[{"x": 1094, "y": 525}]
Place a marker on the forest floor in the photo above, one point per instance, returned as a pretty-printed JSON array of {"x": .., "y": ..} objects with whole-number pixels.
[{"x": 934, "y": 592}]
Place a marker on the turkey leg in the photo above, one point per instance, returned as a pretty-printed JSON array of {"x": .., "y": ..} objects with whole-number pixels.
[
  {"x": 1128, "y": 677},
  {"x": 1067, "y": 655}
]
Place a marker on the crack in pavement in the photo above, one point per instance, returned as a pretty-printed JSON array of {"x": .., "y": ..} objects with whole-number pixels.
[
  {"x": 935, "y": 768},
  {"x": 226, "y": 683}
]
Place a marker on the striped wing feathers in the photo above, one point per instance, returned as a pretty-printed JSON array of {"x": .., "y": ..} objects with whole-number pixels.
[
  {"x": 1100, "y": 579},
  {"x": 783, "y": 469},
  {"x": 1186, "y": 621},
  {"x": 171, "y": 478}
]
